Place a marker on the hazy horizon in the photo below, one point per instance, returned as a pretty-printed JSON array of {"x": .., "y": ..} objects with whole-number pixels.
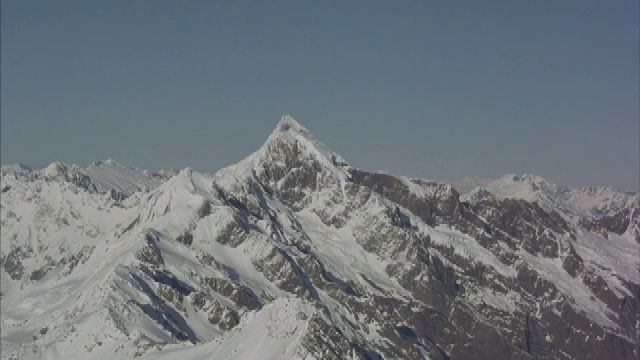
[{"x": 428, "y": 90}]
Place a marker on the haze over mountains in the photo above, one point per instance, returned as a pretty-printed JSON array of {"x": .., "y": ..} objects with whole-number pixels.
[{"x": 295, "y": 253}]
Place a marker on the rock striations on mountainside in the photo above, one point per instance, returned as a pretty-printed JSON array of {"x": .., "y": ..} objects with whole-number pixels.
[{"x": 294, "y": 253}]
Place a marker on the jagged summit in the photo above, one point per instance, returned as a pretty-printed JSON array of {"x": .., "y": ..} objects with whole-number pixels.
[
  {"x": 288, "y": 129},
  {"x": 288, "y": 123},
  {"x": 288, "y": 144},
  {"x": 60, "y": 170}
]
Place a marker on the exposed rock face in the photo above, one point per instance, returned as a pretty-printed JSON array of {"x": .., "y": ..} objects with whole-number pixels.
[
  {"x": 617, "y": 223},
  {"x": 72, "y": 174},
  {"x": 299, "y": 254}
]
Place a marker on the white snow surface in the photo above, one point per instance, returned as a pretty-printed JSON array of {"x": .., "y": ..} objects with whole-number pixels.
[{"x": 110, "y": 174}]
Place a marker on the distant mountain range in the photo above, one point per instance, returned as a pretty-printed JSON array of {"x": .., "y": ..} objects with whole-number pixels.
[{"x": 294, "y": 253}]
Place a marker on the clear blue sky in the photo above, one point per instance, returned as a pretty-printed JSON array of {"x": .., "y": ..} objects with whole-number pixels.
[{"x": 433, "y": 89}]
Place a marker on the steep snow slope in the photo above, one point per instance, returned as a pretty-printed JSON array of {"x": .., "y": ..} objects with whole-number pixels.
[
  {"x": 109, "y": 175},
  {"x": 276, "y": 331}
]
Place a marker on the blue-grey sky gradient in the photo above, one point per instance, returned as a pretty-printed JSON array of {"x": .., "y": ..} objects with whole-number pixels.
[{"x": 429, "y": 89}]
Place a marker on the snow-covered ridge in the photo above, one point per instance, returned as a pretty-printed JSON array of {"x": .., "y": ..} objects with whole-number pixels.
[
  {"x": 14, "y": 170},
  {"x": 468, "y": 183},
  {"x": 586, "y": 201},
  {"x": 109, "y": 175},
  {"x": 100, "y": 176}
]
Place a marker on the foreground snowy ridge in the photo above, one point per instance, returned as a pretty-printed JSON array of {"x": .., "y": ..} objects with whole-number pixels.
[{"x": 294, "y": 253}]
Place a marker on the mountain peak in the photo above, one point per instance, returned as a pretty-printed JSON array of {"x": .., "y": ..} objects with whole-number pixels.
[
  {"x": 289, "y": 128},
  {"x": 58, "y": 168},
  {"x": 290, "y": 131},
  {"x": 279, "y": 148},
  {"x": 288, "y": 123}
]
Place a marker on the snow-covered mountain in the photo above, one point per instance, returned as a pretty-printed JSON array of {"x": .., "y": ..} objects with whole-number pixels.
[{"x": 294, "y": 253}]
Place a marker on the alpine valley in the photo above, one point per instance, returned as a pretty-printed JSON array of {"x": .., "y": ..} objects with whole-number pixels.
[{"x": 294, "y": 253}]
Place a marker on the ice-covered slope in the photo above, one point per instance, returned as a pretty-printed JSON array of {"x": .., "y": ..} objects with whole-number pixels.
[{"x": 293, "y": 253}]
